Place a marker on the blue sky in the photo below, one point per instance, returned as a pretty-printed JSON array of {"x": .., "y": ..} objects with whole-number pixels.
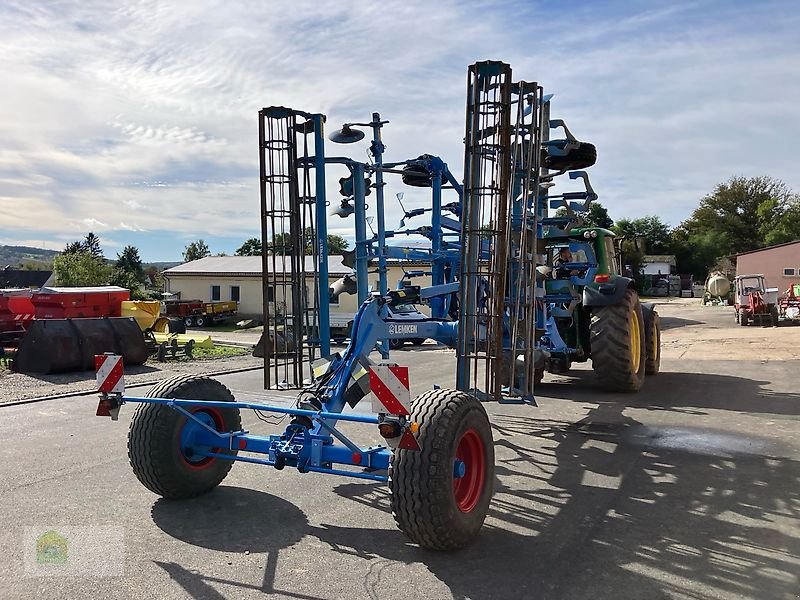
[{"x": 140, "y": 123}]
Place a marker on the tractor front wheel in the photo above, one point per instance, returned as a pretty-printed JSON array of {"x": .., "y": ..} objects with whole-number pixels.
[
  {"x": 160, "y": 441},
  {"x": 617, "y": 339},
  {"x": 441, "y": 493},
  {"x": 743, "y": 318}
]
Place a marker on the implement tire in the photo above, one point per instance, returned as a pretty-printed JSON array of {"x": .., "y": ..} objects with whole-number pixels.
[
  {"x": 433, "y": 507},
  {"x": 653, "y": 342},
  {"x": 154, "y": 439},
  {"x": 618, "y": 344}
]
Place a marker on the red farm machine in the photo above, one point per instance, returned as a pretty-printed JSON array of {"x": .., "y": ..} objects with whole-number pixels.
[
  {"x": 789, "y": 305},
  {"x": 754, "y": 302},
  {"x": 488, "y": 233}
]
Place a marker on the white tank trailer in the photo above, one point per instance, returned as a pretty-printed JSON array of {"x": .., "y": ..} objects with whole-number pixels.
[{"x": 718, "y": 288}]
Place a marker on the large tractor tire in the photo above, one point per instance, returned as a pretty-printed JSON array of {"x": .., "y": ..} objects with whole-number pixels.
[
  {"x": 653, "y": 345},
  {"x": 441, "y": 493},
  {"x": 158, "y": 434},
  {"x": 617, "y": 338}
]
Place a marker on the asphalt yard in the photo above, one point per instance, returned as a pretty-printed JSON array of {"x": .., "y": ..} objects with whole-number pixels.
[{"x": 688, "y": 489}]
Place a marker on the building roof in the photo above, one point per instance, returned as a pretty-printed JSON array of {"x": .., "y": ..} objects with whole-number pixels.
[
  {"x": 659, "y": 258},
  {"x": 21, "y": 278},
  {"x": 246, "y": 266},
  {"x": 768, "y": 248}
]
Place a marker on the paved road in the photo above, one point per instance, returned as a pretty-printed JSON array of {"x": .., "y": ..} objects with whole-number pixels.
[{"x": 690, "y": 489}]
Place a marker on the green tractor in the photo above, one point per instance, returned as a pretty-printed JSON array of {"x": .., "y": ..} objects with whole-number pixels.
[{"x": 592, "y": 311}]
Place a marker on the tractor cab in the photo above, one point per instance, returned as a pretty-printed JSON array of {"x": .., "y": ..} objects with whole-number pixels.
[{"x": 582, "y": 257}]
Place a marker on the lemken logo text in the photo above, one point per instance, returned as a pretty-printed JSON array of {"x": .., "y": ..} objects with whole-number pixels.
[{"x": 398, "y": 329}]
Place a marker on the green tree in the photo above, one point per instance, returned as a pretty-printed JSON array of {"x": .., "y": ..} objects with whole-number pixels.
[
  {"x": 130, "y": 262},
  {"x": 251, "y": 247},
  {"x": 598, "y": 216},
  {"x": 280, "y": 244},
  {"x": 336, "y": 244},
  {"x": 786, "y": 227},
  {"x": 80, "y": 269},
  {"x": 128, "y": 280},
  {"x": 195, "y": 251},
  {"x": 655, "y": 233},
  {"x": 696, "y": 253},
  {"x": 741, "y": 213},
  {"x": 91, "y": 243},
  {"x": 73, "y": 248}
]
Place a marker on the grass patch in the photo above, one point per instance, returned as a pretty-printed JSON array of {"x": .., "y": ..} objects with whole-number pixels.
[{"x": 219, "y": 352}]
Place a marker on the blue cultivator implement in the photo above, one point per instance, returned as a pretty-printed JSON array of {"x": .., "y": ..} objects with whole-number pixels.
[{"x": 484, "y": 244}]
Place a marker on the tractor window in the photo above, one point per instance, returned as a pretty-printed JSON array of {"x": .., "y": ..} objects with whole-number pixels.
[
  {"x": 611, "y": 255},
  {"x": 579, "y": 256}
]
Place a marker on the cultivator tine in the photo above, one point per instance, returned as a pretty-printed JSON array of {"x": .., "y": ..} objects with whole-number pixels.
[
  {"x": 499, "y": 231},
  {"x": 290, "y": 258},
  {"x": 484, "y": 227},
  {"x": 522, "y": 230}
]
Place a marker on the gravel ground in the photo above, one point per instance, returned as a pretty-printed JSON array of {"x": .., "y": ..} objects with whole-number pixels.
[{"x": 17, "y": 386}]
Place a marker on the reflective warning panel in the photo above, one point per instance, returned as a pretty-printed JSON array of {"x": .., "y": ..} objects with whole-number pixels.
[
  {"x": 390, "y": 389},
  {"x": 109, "y": 373}
]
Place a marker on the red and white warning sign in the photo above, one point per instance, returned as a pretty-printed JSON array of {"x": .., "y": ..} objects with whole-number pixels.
[
  {"x": 110, "y": 375},
  {"x": 390, "y": 389}
]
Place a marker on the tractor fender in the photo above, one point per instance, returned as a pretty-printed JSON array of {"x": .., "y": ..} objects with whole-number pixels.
[{"x": 606, "y": 294}]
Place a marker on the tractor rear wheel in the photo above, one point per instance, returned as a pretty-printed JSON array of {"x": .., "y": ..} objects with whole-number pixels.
[
  {"x": 441, "y": 493},
  {"x": 743, "y": 318},
  {"x": 617, "y": 340},
  {"x": 159, "y": 440},
  {"x": 653, "y": 343}
]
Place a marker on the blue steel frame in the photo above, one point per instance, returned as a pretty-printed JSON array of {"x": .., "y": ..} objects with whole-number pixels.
[{"x": 312, "y": 449}]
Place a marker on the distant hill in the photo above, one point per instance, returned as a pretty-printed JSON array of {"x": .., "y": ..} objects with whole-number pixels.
[{"x": 14, "y": 256}]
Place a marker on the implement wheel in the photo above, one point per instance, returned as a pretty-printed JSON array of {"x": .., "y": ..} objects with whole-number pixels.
[
  {"x": 617, "y": 338},
  {"x": 441, "y": 494},
  {"x": 160, "y": 445},
  {"x": 653, "y": 344}
]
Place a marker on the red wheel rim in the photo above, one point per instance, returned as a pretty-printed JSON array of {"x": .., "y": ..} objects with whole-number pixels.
[
  {"x": 469, "y": 488},
  {"x": 218, "y": 423}
]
